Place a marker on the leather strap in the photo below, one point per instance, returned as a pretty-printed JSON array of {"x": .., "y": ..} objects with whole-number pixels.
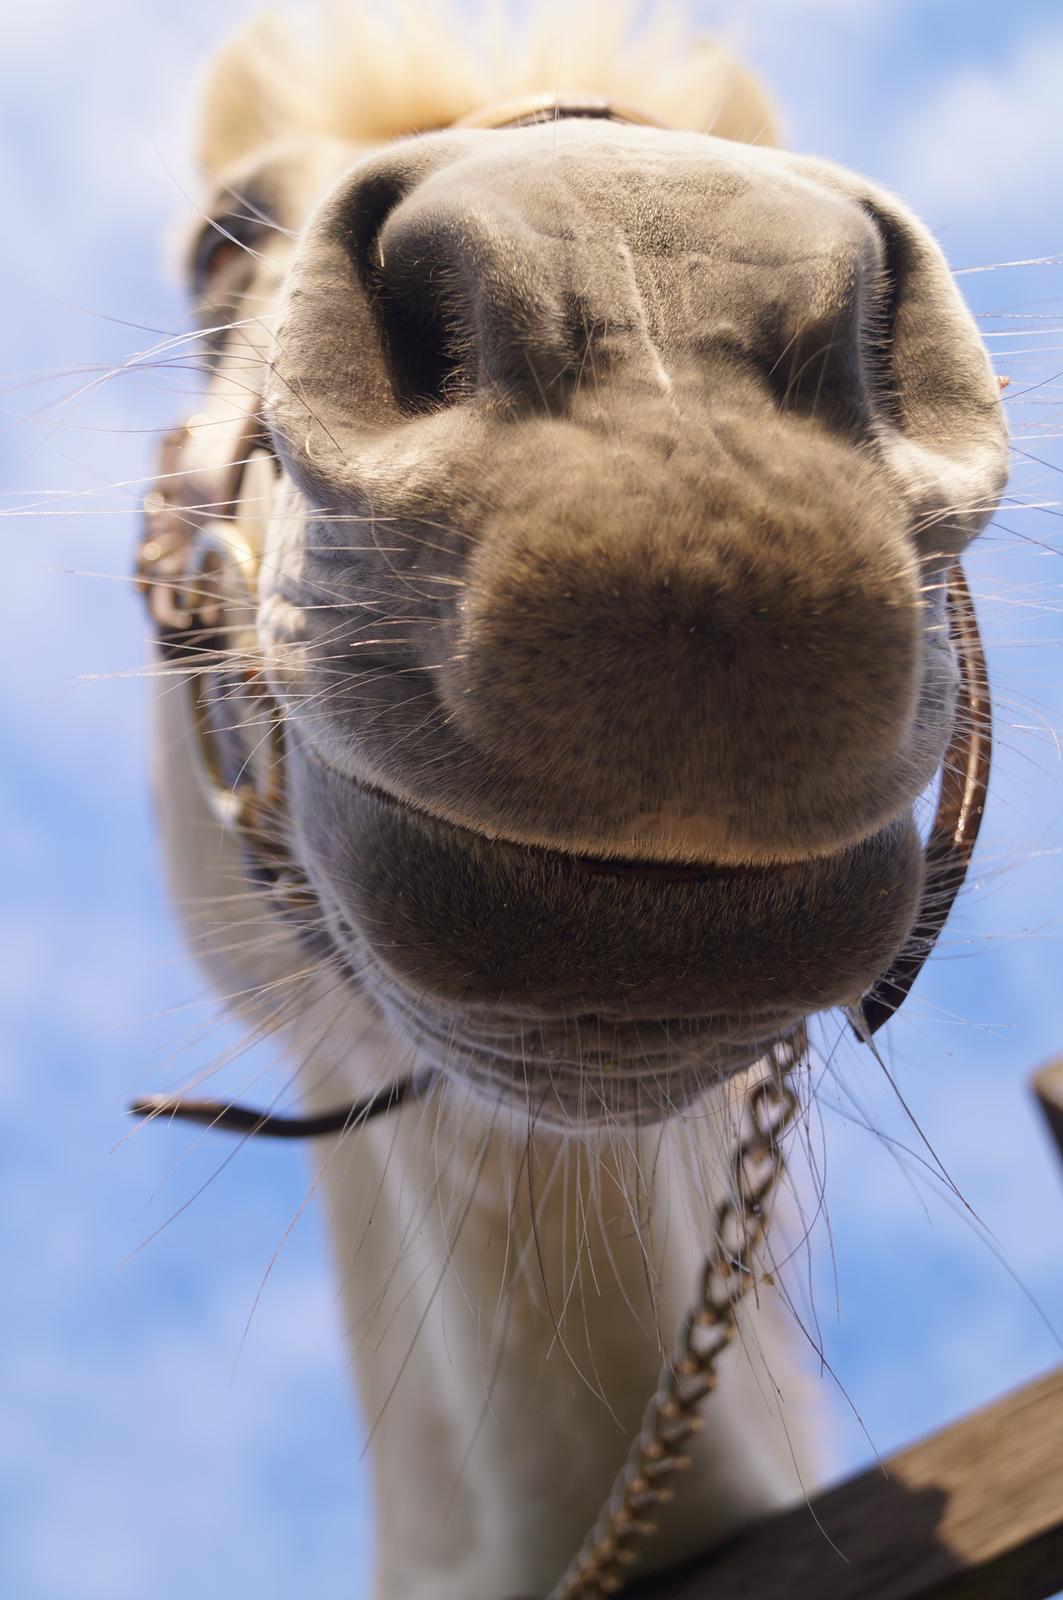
[{"x": 527, "y": 111}]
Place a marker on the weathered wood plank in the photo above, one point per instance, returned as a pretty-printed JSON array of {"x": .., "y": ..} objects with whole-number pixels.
[
  {"x": 1048, "y": 1087},
  {"x": 972, "y": 1513}
]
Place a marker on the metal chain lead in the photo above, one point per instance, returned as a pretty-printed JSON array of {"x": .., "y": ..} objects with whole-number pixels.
[{"x": 672, "y": 1416}]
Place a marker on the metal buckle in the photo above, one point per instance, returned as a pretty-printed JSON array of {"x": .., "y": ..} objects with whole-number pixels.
[{"x": 200, "y": 575}]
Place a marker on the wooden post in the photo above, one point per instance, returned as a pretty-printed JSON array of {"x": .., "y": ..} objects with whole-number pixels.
[
  {"x": 1048, "y": 1087},
  {"x": 975, "y": 1512},
  {"x": 972, "y": 1513}
]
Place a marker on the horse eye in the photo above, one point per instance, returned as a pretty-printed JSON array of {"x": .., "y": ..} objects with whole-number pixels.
[
  {"x": 221, "y": 241},
  {"x": 213, "y": 255}
]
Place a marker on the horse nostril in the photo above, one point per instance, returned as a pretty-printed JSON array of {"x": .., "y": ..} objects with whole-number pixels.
[
  {"x": 431, "y": 358},
  {"x": 467, "y": 302},
  {"x": 426, "y": 351}
]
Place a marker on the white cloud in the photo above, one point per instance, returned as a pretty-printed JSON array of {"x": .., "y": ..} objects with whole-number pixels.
[
  {"x": 159, "y": 1485},
  {"x": 988, "y": 147}
]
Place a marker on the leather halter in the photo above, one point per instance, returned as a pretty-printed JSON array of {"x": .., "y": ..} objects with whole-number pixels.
[
  {"x": 957, "y": 819},
  {"x": 197, "y": 572},
  {"x": 532, "y": 110}
]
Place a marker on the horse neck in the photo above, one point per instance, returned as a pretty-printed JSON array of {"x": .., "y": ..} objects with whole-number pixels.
[
  {"x": 503, "y": 1367},
  {"x": 509, "y": 1301}
]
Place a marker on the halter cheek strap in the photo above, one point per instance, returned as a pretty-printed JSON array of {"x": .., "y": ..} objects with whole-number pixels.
[{"x": 957, "y": 820}]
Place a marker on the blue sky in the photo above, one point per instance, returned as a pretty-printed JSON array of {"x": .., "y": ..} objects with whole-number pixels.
[{"x": 134, "y": 1461}]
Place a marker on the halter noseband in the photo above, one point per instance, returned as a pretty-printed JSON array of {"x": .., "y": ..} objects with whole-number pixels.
[
  {"x": 532, "y": 110},
  {"x": 198, "y": 574}
]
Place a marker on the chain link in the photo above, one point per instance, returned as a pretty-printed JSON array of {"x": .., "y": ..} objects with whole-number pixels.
[{"x": 645, "y": 1484}]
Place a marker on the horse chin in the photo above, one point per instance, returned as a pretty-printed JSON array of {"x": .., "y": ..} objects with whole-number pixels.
[
  {"x": 583, "y": 1074},
  {"x": 576, "y": 993},
  {"x": 569, "y": 1072}
]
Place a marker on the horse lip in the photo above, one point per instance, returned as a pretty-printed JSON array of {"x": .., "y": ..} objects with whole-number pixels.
[
  {"x": 495, "y": 1039},
  {"x": 633, "y": 1084},
  {"x": 434, "y": 905},
  {"x": 643, "y": 867}
]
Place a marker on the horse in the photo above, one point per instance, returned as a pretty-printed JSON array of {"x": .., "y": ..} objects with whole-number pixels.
[{"x": 561, "y": 573}]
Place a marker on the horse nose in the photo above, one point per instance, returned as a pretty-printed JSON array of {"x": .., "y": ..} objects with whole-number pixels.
[{"x": 739, "y": 674}]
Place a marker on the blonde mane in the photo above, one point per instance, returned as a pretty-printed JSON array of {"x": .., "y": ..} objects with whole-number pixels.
[{"x": 366, "y": 74}]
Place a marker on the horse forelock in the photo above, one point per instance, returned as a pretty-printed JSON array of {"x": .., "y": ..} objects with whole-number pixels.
[{"x": 353, "y": 70}]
